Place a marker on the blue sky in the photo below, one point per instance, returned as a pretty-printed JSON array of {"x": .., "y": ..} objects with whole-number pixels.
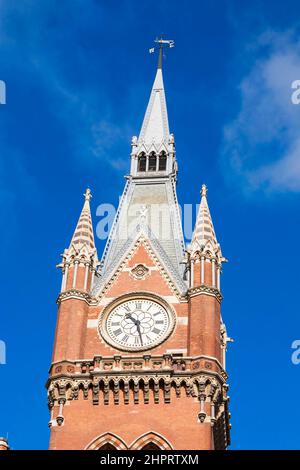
[{"x": 78, "y": 77}]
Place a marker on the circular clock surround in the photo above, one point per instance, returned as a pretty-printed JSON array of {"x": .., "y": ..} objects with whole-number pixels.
[{"x": 136, "y": 322}]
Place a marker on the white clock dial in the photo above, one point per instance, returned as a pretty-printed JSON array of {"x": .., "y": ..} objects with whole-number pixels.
[{"x": 137, "y": 324}]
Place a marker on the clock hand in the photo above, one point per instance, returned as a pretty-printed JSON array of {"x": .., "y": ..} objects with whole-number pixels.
[
  {"x": 128, "y": 315},
  {"x": 137, "y": 324},
  {"x": 139, "y": 331}
]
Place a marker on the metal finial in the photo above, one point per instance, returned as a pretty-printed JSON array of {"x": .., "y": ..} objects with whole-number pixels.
[
  {"x": 160, "y": 57},
  {"x": 87, "y": 194},
  {"x": 204, "y": 190},
  {"x": 161, "y": 44}
]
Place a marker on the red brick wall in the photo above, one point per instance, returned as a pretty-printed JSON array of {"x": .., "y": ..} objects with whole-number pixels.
[{"x": 176, "y": 421}]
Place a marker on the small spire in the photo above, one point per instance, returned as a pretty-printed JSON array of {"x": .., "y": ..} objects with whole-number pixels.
[
  {"x": 204, "y": 190},
  {"x": 87, "y": 194},
  {"x": 204, "y": 232},
  {"x": 84, "y": 233}
]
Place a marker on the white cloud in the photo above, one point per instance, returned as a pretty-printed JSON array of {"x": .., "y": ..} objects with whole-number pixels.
[
  {"x": 107, "y": 138},
  {"x": 261, "y": 147}
]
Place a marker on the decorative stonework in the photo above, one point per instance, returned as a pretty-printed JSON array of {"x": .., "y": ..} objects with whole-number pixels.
[
  {"x": 152, "y": 437},
  {"x": 137, "y": 444},
  {"x": 106, "y": 380},
  {"x": 76, "y": 294},
  {"x": 140, "y": 272},
  {"x": 203, "y": 289},
  {"x": 120, "y": 364},
  {"x": 107, "y": 438}
]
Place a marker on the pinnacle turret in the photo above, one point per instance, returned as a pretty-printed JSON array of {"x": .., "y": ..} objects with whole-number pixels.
[
  {"x": 80, "y": 260},
  {"x": 204, "y": 251},
  {"x": 84, "y": 234},
  {"x": 204, "y": 237}
]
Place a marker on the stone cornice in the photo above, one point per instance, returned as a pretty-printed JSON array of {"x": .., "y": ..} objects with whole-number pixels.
[
  {"x": 76, "y": 294},
  {"x": 140, "y": 365},
  {"x": 135, "y": 388},
  {"x": 111, "y": 380},
  {"x": 205, "y": 290}
]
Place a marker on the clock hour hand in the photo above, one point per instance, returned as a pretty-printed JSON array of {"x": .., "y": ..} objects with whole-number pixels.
[{"x": 128, "y": 315}]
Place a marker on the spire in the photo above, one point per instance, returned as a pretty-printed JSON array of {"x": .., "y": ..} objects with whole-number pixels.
[
  {"x": 155, "y": 127},
  {"x": 84, "y": 234},
  {"x": 204, "y": 237},
  {"x": 80, "y": 261}
]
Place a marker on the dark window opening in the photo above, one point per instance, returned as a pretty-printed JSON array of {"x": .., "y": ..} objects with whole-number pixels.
[
  {"x": 142, "y": 162},
  {"x": 150, "y": 446},
  {"x": 107, "y": 446},
  {"x": 152, "y": 162},
  {"x": 162, "y": 162}
]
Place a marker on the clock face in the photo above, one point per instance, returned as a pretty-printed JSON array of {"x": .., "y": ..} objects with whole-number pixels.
[{"x": 137, "y": 324}]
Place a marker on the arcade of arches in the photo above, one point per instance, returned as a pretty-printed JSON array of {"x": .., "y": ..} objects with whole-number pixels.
[
  {"x": 148, "y": 441},
  {"x": 152, "y": 162}
]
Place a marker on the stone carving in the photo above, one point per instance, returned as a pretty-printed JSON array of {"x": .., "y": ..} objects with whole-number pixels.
[{"x": 140, "y": 271}]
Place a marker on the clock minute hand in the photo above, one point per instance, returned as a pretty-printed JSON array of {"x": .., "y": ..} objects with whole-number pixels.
[
  {"x": 139, "y": 331},
  {"x": 137, "y": 324}
]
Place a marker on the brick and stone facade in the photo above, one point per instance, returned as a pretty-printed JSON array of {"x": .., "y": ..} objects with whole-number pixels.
[{"x": 174, "y": 394}]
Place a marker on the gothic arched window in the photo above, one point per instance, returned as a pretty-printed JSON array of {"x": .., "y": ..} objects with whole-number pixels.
[
  {"x": 142, "y": 162},
  {"x": 151, "y": 441},
  {"x": 152, "y": 162},
  {"x": 107, "y": 441},
  {"x": 162, "y": 161}
]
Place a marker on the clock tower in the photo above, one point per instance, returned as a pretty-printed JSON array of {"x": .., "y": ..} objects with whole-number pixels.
[{"x": 139, "y": 350}]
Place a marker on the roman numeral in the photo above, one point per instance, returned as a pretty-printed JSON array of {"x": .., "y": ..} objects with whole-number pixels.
[
  {"x": 115, "y": 323},
  {"x": 157, "y": 313},
  {"x": 117, "y": 332},
  {"x": 159, "y": 322},
  {"x": 125, "y": 338},
  {"x": 156, "y": 331},
  {"x": 127, "y": 308},
  {"x": 138, "y": 305},
  {"x": 136, "y": 341}
]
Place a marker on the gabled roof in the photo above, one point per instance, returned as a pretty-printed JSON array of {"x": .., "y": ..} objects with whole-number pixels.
[
  {"x": 141, "y": 233},
  {"x": 157, "y": 198}
]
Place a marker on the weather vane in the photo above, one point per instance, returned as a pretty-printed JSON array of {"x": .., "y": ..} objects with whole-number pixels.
[{"x": 162, "y": 43}]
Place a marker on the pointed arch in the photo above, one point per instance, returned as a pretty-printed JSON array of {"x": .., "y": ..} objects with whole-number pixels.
[
  {"x": 151, "y": 439},
  {"x": 142, "y": 161},
  {"x": 107, "y": 441},
  {"x": 162, "y": 161},
  {"x": 152, "y": 161}
]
